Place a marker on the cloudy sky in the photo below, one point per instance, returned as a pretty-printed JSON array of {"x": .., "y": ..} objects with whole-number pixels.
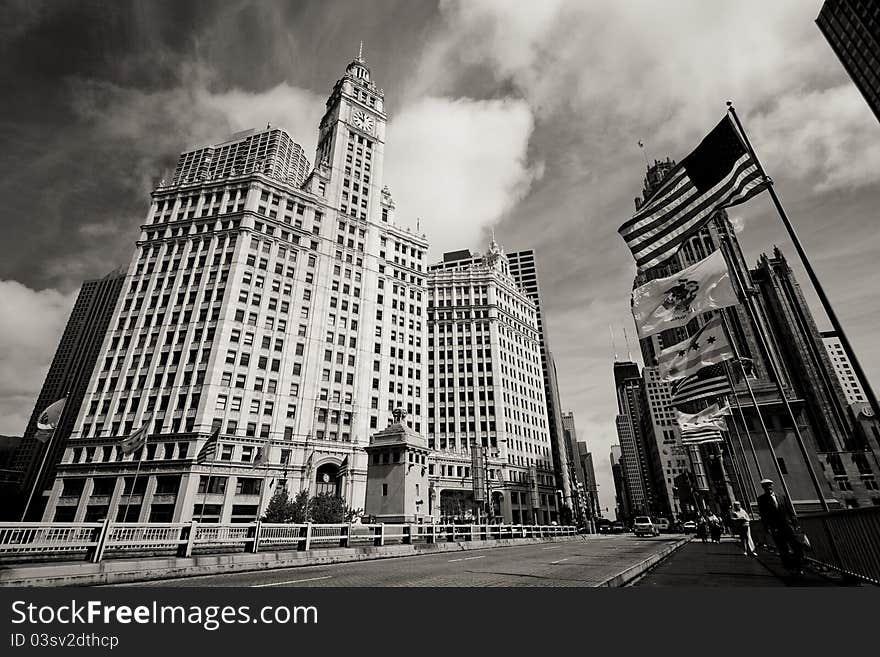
[{"x": 520, "y": 116}]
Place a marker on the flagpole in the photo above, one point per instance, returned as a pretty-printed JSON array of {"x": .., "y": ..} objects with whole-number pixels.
[
  {"x": 735, "y": 461},
  {"x": 757, "y": 409},
  {"x": 134, "y": 482},
  {"x": 207, "y": 488},
  {"x": 742, "y": 449},
  {"x": 811, "y": 274},
  {"x": 764, "y": 345},
  {"x": 36, "y": 483},
  {"x": 737, "y": 474}
]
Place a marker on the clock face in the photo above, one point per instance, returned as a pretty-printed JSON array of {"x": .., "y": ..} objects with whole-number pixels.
[{"x": 363, "y": 121}]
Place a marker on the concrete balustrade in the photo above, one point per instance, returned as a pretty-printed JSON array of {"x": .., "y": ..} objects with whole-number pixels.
[{"x": 98, "y": 541}]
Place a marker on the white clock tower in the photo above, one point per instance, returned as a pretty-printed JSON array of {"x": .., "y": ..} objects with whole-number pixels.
[{"x": 351, "y": 143}]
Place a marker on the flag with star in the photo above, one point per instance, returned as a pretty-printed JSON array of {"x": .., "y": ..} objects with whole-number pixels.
[{"x": 709, "y": 346}]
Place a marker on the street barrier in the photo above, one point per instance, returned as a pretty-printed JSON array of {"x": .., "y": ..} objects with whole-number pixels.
[{"x": 97, "y": 541}]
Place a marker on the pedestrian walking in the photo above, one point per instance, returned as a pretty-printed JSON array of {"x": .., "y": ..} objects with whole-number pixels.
[
  {"x": 740, "y": 519},
  {"x": 780, "y": 523},
  {"x": 715, "y": 528},
  {"x": 702, "y": 528}
]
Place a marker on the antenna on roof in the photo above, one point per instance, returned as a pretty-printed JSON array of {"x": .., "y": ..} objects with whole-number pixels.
[
  {"x": 361, "y": 51},
  {"x": 629, "y": 355},
  {"x": 613, "y": 346}
]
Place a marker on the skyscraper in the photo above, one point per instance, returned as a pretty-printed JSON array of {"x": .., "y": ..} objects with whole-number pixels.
[
  {"x": 523, "y": 268},
  {"x": 285, "y": 311},
  {"x": 634, "y": 458},
  {"x": 852, "y": 28},
  {"x": 837, "y": 442},
  {"x": 485, "y": 390},
  {"x": 68, "y": 376},
  {"x": 622, "y": 502},
  {"x": 585, "y": 491},
  {"x": 842, "y": 366}
]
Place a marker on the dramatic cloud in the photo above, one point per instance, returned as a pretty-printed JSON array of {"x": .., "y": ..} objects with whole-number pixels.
[
  {"x": 31, "y": 323},
  {"x": 520, "y": 116},
  {"x": 459, "y": 165},
  {"x": 819, "y": 136}
]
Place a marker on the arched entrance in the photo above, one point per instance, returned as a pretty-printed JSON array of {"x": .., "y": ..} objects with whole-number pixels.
[{"x": 328, "y": 479}]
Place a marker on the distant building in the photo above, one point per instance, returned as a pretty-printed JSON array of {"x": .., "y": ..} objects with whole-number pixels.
[
  {"x": 622, "y": 501},
  {"x": 68, "y": 376},
  {"x": 842, "y": 365},
  {"x": 583, "y": 478},
  {"x": 524, "y": 269},
  {"x": 852, "y": 28},
  {"x": 634, "y": 460}
]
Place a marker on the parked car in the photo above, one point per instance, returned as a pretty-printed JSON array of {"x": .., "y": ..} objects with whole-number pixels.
[
  {"x": 617, "y": 527},
  {"x": 690, "y": 527},
  {"x": 662, "y": 525},
  {"x": 642, "y": 526}
]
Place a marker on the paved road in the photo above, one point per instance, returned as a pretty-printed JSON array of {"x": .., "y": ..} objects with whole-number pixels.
[
  {"x": 723, "y": 564},
  {"x": 570, "y": 563}
]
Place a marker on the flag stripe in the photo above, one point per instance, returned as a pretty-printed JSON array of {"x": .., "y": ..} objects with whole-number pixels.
[
  {"x": 667, "y": 212},
  {"x": 709, "y": 382},
  {"x": 667, "y": 236},
  {"x": 209, "y": 450},
  {"x": 675, "y": 181},
  {"x": 673, "y": 235}
]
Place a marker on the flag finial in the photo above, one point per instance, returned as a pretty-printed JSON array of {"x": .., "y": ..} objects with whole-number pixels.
[{"x": 361, "y": 52}]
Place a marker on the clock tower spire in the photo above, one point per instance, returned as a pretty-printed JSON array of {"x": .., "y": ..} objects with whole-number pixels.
[{"x": 351, "y": 142}]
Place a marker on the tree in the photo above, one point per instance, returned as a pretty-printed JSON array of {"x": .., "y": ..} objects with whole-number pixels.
[
  {"x": 299, "y": 505},
  {"x": 327, "y": 508},
  {"x": 282, "y": 509}
]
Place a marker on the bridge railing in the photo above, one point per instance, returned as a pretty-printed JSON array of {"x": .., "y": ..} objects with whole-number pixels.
[
  {"x": 96, "y": 541},
  {"x": 847, "y": 540}
]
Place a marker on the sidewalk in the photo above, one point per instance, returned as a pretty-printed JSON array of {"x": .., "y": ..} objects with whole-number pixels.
[{"x": 723, "y": 564}]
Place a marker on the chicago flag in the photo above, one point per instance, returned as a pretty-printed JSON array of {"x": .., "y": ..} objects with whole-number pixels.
[{"x": 708, "y": 346}]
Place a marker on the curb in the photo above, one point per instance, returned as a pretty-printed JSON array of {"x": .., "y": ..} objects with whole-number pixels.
[
  {"x": 122, "y": 571},
  {"x": 633, "y": 572}
]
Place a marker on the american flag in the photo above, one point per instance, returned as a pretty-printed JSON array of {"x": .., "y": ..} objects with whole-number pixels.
[
  {"x": 709, "y": 382},
  {"x": 701, "y": 436},
  {"x": 209, "y": 449},
  {"x": 719, "y": 173}
]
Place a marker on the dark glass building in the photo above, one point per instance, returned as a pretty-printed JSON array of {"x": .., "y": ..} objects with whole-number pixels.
[
  {"x": 852, "y": 27},
  {"x": 68, "y": 376}
]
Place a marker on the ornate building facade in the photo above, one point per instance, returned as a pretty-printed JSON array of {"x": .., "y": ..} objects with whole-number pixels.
[
  {"x": 486, "y": 391},
  {"x": 285, "y": 310}
]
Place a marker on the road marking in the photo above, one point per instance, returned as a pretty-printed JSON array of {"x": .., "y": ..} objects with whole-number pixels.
[
  {"x": 467, "y": 558},
  {"x": 552, "y": 548},
  {"x": 291, "y": 581},
  {"x": 560, "y": 560}
]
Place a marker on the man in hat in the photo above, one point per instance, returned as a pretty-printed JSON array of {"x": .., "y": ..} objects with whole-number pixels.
[{"x": 778, "y": 518}]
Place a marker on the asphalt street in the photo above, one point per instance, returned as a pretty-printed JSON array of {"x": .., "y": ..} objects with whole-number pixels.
[{"x": 584, "y": 562}]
